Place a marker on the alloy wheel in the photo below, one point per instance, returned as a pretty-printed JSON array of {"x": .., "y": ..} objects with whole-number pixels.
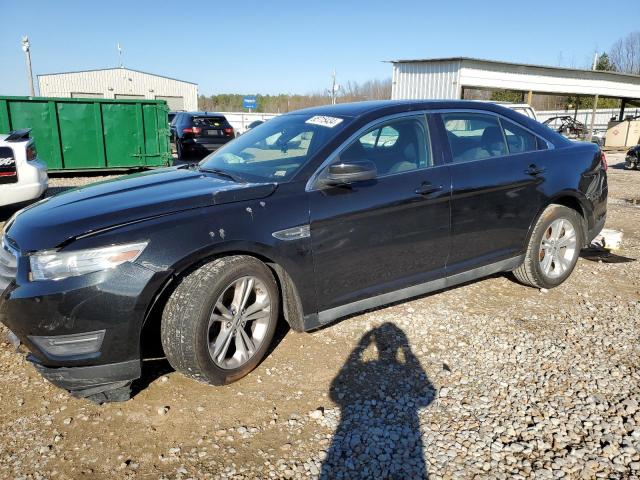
[
  {"x": 557, "y": 248},
  {"x": 238, "y": 323}
]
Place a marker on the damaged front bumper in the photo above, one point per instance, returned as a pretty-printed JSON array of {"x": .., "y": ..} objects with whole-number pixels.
[
  {"x": 83, "y": 333},
  {"x": 100, "y": 383}
]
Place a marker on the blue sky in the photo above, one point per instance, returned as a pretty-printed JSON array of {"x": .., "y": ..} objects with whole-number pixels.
[{"x": 273, "y": 46}]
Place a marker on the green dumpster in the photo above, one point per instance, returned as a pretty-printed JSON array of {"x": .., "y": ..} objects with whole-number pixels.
[{"x": 90, "y": 133}]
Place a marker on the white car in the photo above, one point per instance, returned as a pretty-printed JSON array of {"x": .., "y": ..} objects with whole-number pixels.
[
  {"x": 523, "y": 108},
  {"x": 23, "y": 177}
]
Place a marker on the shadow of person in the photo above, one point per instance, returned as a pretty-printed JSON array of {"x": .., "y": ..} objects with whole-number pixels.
[{"x": 379, "y": 390}]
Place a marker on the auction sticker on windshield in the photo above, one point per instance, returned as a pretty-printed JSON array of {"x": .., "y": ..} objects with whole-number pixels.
[{"x": 324, "y": 121}]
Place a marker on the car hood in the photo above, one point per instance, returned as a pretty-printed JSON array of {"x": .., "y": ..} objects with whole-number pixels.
[{"x": 56, "y": 220}]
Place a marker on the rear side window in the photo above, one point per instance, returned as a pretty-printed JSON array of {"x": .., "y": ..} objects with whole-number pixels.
[
  {"x": 519, "y": 140},
  {"x": 474, "y": 136},
  {"x": 209, "y": 121}
]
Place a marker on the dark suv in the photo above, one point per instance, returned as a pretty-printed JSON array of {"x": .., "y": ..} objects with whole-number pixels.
[
  {"x": 199, "y": 132},
  {"x": 309, "y": 217}
]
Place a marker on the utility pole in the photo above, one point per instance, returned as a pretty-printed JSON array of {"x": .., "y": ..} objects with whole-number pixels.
[
  {"x": 121, "y": 65},
  {"x": 595, "y": 104},
  {"x": 335, "y": 88},
  {"x": 26, "y": 48}
]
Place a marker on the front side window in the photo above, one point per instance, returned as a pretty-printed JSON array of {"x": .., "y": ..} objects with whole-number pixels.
[
  {"x": 277, "y": 149},
  {"x": 394, "y": 147},
  {"x": 519, "y": 140},
  {"x": 474, "y": 136}
]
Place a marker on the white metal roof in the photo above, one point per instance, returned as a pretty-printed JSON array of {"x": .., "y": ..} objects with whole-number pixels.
[
  {"x": 114, "y": 68},
  {"x": 445, "y": 77}
]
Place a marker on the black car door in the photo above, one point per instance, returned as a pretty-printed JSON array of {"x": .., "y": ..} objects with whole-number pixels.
[
  {"x": 377, "y": 236},
  {"x": 496, "y": 171}
]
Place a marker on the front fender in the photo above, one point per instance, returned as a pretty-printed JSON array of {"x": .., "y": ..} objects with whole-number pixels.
[{"x": 180, "y": 242}]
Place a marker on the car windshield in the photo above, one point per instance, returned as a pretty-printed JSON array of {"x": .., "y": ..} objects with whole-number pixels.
[{"x": 275, "y": 150}]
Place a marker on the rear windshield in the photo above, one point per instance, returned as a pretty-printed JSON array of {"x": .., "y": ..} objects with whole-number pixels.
[
  {"x": 277, "y": 149},
  {"x": 209, "y": 121}
]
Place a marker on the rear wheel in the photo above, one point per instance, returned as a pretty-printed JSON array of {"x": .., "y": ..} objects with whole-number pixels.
[
  {"x": 179, "y": 149},
  {"x": 553, "y": 248},
  {"x": 219, "y": 322},
  {"x": 631, "y": 162}
]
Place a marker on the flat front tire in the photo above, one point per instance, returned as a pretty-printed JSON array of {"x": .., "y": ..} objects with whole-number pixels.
[
  {"x": 553, "y": 249},
  {"x": 220, "y": 320}
]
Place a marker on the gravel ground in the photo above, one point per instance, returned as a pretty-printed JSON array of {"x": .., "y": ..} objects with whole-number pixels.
[{"x": 487, "y": 380}]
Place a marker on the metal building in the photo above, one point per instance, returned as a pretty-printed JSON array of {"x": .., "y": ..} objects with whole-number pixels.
[
  {"x": 122, "y": 83},
  {"x": 447, "y": 78}
]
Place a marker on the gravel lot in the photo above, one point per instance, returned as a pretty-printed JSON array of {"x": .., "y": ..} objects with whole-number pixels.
[{"x": 487, "y": 380}]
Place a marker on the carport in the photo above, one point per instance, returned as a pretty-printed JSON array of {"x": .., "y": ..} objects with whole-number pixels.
[{"x": 447, "y": 78}]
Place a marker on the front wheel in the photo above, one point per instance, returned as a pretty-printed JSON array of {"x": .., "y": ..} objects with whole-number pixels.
[
  {"x": 219, "y": 322},
  {"x": 631, "y": 162},
  {"x": 553, "y": 248}
]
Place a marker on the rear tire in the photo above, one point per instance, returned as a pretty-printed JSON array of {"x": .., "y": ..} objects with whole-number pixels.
[
  {"x": 631, "y": 163},
  {"x": 219, "y": 322},
  {"x": 179, "y": 150},
  {"x": 553, "y": 249}
]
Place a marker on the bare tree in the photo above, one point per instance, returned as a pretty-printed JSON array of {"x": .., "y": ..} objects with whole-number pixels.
[
  {"x": 625, "y": 54},
  {"x": 351, "y": 92}
]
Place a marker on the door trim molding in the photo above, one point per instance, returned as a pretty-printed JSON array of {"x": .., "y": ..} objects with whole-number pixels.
[{"x": 323, "y": 317}]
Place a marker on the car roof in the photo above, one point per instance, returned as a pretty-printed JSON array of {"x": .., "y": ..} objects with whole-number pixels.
[
  {"x": 203, "y": 114},
  {"x": 357, "y": 109},
  {"x": 371, "y": 110}
]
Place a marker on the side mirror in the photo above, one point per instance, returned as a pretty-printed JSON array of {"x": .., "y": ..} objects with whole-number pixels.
[{"x": 347, "y": 173}]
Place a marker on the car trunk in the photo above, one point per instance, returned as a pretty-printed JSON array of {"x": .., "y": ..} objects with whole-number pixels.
[{"x": 211, "y": 129}]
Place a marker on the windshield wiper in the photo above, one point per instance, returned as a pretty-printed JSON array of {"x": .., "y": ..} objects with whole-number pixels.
[{"x": 223, "y": 173}]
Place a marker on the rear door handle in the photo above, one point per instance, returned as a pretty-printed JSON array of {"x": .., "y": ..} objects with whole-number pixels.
[
  {"x": 534, "y": 170},
  {"x": 427, "y": 188}
]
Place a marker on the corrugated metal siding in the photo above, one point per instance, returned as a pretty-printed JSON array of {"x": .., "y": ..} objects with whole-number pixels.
[
  {"x": 475, "y": 73},
  {"x": 445, "y": 79},
  {"x": 118, "y": 81},
  {"x": 432, "y": 80}
]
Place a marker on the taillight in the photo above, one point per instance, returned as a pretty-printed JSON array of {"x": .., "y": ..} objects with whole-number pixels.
[
  {"x": 603, "y": 160},
  {"x": 194, "y": 130},
  {"x": 32, "y": 153},
  {"x": 228, "y": 132}
]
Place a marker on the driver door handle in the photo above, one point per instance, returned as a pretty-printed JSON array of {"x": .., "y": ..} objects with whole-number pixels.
[{"x": 427, "y": 188}]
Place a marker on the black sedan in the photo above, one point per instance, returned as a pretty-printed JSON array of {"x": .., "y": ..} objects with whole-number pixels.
[
  {"x": 309, "y": 217},
  {"x": 199, "y": 133}
]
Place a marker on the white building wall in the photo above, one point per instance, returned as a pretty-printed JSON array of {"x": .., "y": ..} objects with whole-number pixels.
[
  {"x": 117, "y": 81},
  {"x": 422, "y": 80}
]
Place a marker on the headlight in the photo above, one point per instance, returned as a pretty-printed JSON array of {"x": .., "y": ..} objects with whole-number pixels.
[{"x": 51, "y": 265}]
